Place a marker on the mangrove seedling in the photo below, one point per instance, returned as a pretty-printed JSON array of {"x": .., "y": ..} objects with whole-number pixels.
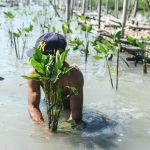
[
  {"x": 142, "y": 51},
  {"x": 76, "y": 43},
  {"x": 66, "y": 27},
  {"x": 9, "y": 17},
  {"x": 49, "y": 69},
  {"x": 25, "y": 33},
  {"x": 87, "y": 29},
  {"x": 104, "y": 49}
]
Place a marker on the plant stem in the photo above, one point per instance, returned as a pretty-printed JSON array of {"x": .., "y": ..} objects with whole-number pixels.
[
  {"x": 109, "y": 74},
  {"x": 117, "y": 68},
  {"x": 15, "y": 46}
]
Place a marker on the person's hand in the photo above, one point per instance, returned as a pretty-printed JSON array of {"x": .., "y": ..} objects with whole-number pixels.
[{"x": 36, "y": 115}]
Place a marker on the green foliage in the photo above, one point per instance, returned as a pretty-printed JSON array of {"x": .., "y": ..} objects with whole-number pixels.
[
  {"x": 9, "y": 15},
  {"x": 32, "y": 77},
  {"x": 116, "y": 36},
  {"x": 54, "y": 29},
  {"x": 28, "y": 29},
  {"x": 103, "y": 47},
  {"x": 35, "y": 19},
  {"x": 49, "y": 69},
  {"x": 1, "y": 78},
  {"x": 72, "y": 91},
  {"x": 136, "y": 42},
  {"x": 76, "y": 43},
  {"x": 86, "y": 27},
  {"x": 66, "y": 26}
]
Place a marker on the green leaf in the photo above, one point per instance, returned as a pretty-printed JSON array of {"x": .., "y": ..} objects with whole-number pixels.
[
  {"x": 36, "y": 65},
  {"x": 32, "y": 77},
  {"x": 37, "y": 55},
  {"x": 88, "y": 28},
  {"x": 83, "y": 18},
  {"x": 1, "y": 78},
  {"x": 97, "y": 57},
  {"x": 54, "y": 29},
  {"x": 9, "y": 15},
  {"x": 28, "y": 29},
  {"x": 65, "y": 29},
  {"x": 16, "y": 34},
  {"x": 131, "y": 40},
  {"x": 72, "y": 91},
  {"x": 51, "y": 107},
  {"x": 35, "y": 19}
]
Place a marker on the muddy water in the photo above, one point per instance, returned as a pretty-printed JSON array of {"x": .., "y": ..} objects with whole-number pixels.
[{"x": 116, "y": 120}]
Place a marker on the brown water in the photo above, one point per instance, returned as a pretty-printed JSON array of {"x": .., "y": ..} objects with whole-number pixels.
[{"x": 127, "y": 110}]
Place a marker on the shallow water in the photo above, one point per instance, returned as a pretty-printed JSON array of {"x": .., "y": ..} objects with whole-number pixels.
[{"x": 116, "y": 120}]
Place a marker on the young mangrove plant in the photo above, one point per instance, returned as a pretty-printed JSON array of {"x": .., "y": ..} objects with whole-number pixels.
[
  {"x": 20, "y": 36},
  {"x": 105, "y": 49},
  {"x": 25, "y": 33},
  {"x": 76, "y": 44},
  {"x": 9, "y": 17},
  {"x": 142, "y": 53},
  {"x": 87, "y": 29},
  {"x": 116, "y": 42},
  {"x": 66, "y": 27},
  {"x": 49, "y": 70}
]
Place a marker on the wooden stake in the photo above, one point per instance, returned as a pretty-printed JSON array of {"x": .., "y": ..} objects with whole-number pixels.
[
  {"x": 136, "y": 3},
  {"x": 68, "y": 2},
  {"x": 99, "y": 13},
  {"x": 107, "y": 7},
  {"x": 125, "y": 6},
  {"x": 83, "y": 7},
  {"x": 116, "y": 8},
  {"x": 147, "y": 4},
  {"x": 71, "y": 9}
]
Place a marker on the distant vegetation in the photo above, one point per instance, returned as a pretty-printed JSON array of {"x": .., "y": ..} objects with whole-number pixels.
[{"x": 142, "y": 5}]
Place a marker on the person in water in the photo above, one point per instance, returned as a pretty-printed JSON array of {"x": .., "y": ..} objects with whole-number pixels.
[{"x": 48, "y": 43}]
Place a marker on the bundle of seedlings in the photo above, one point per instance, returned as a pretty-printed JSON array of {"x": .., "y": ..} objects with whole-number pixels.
[{"x": 49, "y": 70}]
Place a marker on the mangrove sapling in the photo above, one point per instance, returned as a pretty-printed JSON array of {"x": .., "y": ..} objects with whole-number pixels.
[
  {"x": 142, "y": 51},
  {"x": 76, "y": 43},
  {"x": 25, "y": 33},
  {"x": 104, "y": 49},
  {"x": 116, "y": 41},
  {"x": 66, "y": 27},
  {"x": 49, "y": 69},
  {"x": 9, "y": 17},
  {"x": 15, "y": 37},
  {"x": 87, "y": 29}
]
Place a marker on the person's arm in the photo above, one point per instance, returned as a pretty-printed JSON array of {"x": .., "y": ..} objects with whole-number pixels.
[
  {"x": 34, "y": 96},
  {"x": 76, "y": 101}
]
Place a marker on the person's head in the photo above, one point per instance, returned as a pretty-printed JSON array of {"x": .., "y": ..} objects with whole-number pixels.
[{"x": 49, "y": 43}]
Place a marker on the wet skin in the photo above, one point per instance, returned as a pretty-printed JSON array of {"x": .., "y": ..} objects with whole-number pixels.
[{"x": 73, "y": 79}]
